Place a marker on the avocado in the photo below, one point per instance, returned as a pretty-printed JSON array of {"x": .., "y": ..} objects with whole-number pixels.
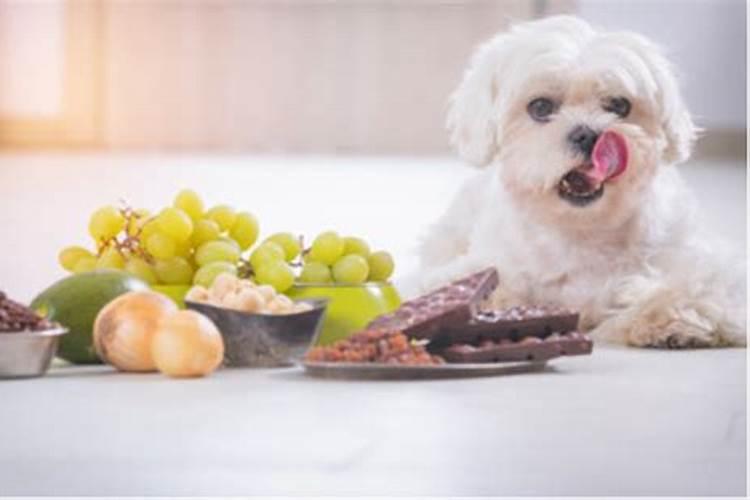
[{"x": 75, "y": 301}]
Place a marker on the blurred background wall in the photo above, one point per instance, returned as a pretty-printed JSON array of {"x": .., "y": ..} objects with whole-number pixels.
[{"x": 307, "y": 76}]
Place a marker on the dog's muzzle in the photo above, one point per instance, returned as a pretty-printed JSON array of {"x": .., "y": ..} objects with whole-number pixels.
[{"x": 608, "y": 159}]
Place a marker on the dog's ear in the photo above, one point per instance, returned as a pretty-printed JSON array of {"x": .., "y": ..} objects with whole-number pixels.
[
  {"x": 472, "y": 113},
  {"x": 676, "y": 122}
]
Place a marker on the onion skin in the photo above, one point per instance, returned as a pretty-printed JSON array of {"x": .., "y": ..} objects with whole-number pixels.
[
  {"x": 124, "y": 330},
  {"x": 187, "y": 344}
]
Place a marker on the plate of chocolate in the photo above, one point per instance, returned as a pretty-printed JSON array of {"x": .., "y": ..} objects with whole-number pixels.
[{"x": 446, "y": 333}]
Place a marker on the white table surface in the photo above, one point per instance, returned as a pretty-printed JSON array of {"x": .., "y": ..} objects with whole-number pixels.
[{"x": 621, "y": 421}]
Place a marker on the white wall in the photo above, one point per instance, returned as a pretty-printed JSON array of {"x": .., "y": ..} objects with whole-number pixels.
[{"x": 705, "y": 38}]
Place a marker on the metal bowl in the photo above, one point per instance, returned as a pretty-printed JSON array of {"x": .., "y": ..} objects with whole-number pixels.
[
  {"x": 28, "y": 354},
  {"x": 264, "y": 340}
]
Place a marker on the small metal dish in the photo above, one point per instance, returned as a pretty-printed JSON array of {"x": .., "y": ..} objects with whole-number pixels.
[
  {"x": 265, "y": 340},
  {"x": 28, "y": 354}
]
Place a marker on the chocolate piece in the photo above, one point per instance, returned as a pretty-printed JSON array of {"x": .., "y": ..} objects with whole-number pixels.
[
  {"x": 513, "y": 323},
  {"x": 451, "y": 305},
  {"x": 528, "y": 348},
  {"x": 15, "y": 317}
]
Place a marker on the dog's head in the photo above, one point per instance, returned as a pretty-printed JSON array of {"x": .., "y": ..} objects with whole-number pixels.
[{"x": 578, "y": 121}]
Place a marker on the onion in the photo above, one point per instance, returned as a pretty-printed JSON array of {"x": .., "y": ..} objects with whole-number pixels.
[
  {"x": 187, "y": 344},
  {"x": 125, "y": 327}
]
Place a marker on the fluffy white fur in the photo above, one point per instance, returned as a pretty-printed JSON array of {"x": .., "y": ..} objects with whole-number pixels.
[{"x": 636, "y": 262}]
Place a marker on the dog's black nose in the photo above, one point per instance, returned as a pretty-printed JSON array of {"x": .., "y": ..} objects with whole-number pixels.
[{"x": 583, "y": 139}]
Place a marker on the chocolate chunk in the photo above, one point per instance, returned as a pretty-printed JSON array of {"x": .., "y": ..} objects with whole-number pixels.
[
  {"x": 450, "y": 306},
  {"x": 528, "y": 348},
  {"x": 513, "y": 323},
  {"x": 15, "y": 317}
]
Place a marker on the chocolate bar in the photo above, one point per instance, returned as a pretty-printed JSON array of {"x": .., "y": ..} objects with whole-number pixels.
[
  {"x": 450, "y": 306},
  {"x": 512, "y": 323},
  {"x": 529, "y": 348}
]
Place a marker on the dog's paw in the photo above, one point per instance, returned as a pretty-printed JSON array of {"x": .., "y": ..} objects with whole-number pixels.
[{"x": 676, "y": 335}]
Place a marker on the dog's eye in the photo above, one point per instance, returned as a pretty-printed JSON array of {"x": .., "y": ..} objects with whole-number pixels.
[
  {"x": 541, "y": 108},
  {"x": 617, "y": 105}
]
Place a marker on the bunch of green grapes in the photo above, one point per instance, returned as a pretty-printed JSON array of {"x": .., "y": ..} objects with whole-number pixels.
[
  {"x": 183, "y": 244},
  {"x": 331, "y": 258}
]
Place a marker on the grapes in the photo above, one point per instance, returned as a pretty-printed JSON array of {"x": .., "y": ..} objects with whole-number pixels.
[
  {"x": 223, "y": 215},
  {"x": 135, "y": 225},
  {"x": 315, "y": 272},
  {"x": 148, "y": 229},
  {"x": 105, "y": 223},
  {"x": 160, "y": 246},
  {"x": 206, "y": 275},
  {"x": 175, "y": 223},
  {"x": 227, "y": 239},
  {"x": 354, "y": 245},
  {"x": 189, "y": 202},
  {"x": 288, "y": 242},
  {"x": 327, "y": 248},
  {"x": 85, "y": 264},
  {"x": 185, "y": 243},
  {"x": 205, "y": 230},
  {"x": 381, "y": 266},
  {"x": 351, "y": 269},
  {"x": 69, "y": 256},
  {"x": 276, "y": 273},
  {"x": 111, "y": 258},
  {"x": 245, "y": 229},
  {"x": 267, "y": 252},
  {"x": 216, "y": 251},
  {"x": 174, "y": 271},
  {"x": 141, "y": 269}
]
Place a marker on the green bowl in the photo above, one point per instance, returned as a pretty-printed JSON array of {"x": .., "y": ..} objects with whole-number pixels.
[
  {"x": 350, "y": 307},
  {"x": 175, "y": 292}
]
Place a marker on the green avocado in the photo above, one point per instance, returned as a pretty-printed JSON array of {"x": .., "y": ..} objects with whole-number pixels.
[{"x": 75, "y": 301}]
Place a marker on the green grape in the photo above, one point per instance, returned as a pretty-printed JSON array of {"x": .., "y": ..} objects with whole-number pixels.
[
  {"x": 245, "y": 229},
  {"x": 189, "y": 202},
  {"x": 216, "y": 251},
  {"x": 223, "y": 215},
  {"x": 352, "y": 269},
  {"x": 354, "y": 245},
  {"x": 206, "y": 275},
  {"x": 175, "y": 223},
  {"x": 147, "y": 230},
  {"x": 205, "y": 230},
  {"x": 135, "y": 224},
  {"x": 276, "y": 273},
  {"x": 183, "y": 249},
  {"x": 161, "y": 246},
  {"x": 110, "y": 259},
  {"x": 381, "y": 266},
  {"x": 288, "y": 242},
  {"x": 227, "y": 239},
  {"x": 174, "y": 271},
  {"x": 69, "y": 256},
  {"x": 327, "y": 248},
  {"x": 85, "y": 264},
  {"x": 141, "y": 269},
  {"x": 105, "y": 223},
  {"x": 266, "y": 252},
  {"x": 315, "y": 272}
]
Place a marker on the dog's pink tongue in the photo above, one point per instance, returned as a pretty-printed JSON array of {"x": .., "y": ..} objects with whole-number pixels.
[{"x": 610, "y": 156}]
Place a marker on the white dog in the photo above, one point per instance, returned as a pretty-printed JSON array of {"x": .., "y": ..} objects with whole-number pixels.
[{"x": 580, "y": 203}]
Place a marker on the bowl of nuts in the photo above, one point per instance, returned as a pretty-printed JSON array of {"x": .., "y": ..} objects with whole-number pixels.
[
  {"x": 260, "y": 328},
  {"x": 28, "y": 342}
]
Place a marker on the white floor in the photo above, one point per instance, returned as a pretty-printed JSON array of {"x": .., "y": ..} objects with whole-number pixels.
[{"x": 621, "y": 422}]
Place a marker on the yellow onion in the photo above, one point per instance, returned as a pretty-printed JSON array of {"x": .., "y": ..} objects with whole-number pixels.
[
  {"x": 124, "y": 329},
  {"x": 187, "y": 344}
]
